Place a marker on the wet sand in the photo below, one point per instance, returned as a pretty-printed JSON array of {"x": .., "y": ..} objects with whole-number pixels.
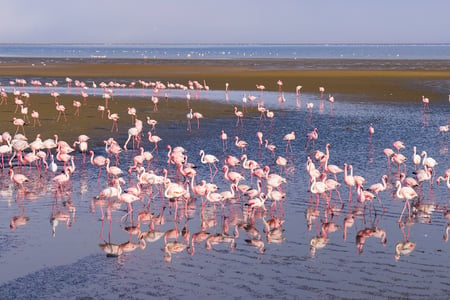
[{"x": 378, "y": 78}]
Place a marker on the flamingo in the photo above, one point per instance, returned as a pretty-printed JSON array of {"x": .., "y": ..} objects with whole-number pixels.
[
  {"x": 35, "y": 116},
  {"x": 428, "y": 161},
  {"x": 270, "y": 114},
  {"x": 134, "y": 133},
  {"x": 288, "y": 138},
  {"x": 132, "y": 112},
  {"x": 114, "y": 117},
  {"x": 224, "y": 138},
  {"x": 349, "y": 180},
  {"x": 61, "y": 110},
  {"x": 311, "y": 136},
  {"x": 234, "y": 177},
  {"x": 371, "y": 131},
  {"x": 406, "y": 193},
  {"x": 155, "y": 101},
  {"x": 210, "y": 160},
  {"x": 197, "y": 116},
  {"x": 398, "y": 145},
  {"x": 379, "y": 187},
  {"x": 106, "y": 96},
  {"x": 154, "y": 139},
  {"x": 240, "y": 144},
  {"x": 416, "y": 158},
  {"x": 426, "y": 104},
  {"x": 77, "y": 105},
  {"x": 24, "y": 112},
  {"x": 19, "y": 123},
  {"x": 321, "y": 91},
  {"x": 259, "y": 135},
  {"x": 151, "y": 122},
  {"x": 239, "y": 114},
  {"x": 272, "y": 148},
  {"x": 101, "y": 109},
  {"x": 261, "y": 88},
  {"x": 18, "y": 179},
  {"x": 189, "y": 117}
]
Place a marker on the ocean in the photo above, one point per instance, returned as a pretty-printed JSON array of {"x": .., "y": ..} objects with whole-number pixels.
[{"x": 229, "y": 51}]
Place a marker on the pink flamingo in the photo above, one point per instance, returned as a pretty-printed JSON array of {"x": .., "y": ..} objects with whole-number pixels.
[
  {"x": 272, "y": 148},
  {"x": 210, "y": 160},
  {"x": 288, "y": 138},
  {"x": 270, "y": 115},
  {"x": 406, "y": 193},
  {"x": 133, "y": 133},
  {"x": 311, "y": 136},
  {"x": 259, "y": 135},
  {"x": 280, "y": 84},
  {"x": 154, "y": 139},
  {"x": 321, "y": 91},
  {"x": 99, "y": 161},
  {"x": 18, "y": 179},
  {"x": 114, "y": 117},
  {"x": 61, "y": 110},
  {"x": 240, "y": 115},
  {"x": 132, "y": 112},
  {"x": 398, "y": 145},
  {"x": 371, "y": 131},
  {"x": 155, "y": 101},
  {"x": 261, "y": 88},
  {"x": 19, "y": 123},
  {"x": 152, "y": 123},
  {"x": 189, "y": 117},
  {"x": 224, "y": 138},
  {"x": 77, "y": 105},
  {"x": 106, "y": 97},
  {"x": 240, "y": 144},
  {"x": 349, "y": 180},
  {"x": 426, "y": 104},
  {"x": 84, "y": 95},
  {"x": 101, "y": 109},
  {"x": 197, "y": 116},
  {"x": 4, "y": 97},
  {"x": 35, "y": 116}
]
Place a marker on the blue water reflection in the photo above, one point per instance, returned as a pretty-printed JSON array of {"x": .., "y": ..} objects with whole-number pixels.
[{"x": 297, "y": 247}]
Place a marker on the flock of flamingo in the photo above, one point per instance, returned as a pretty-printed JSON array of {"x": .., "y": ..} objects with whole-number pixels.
[{"x": 250, "y": 183}]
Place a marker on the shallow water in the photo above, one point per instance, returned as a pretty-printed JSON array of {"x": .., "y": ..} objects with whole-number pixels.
[{"x": 69, "y": 263}]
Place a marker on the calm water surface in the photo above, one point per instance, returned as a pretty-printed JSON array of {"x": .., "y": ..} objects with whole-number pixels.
[
  {"x": 45, "y": 259},
  {"x": 229, "y": 51}
]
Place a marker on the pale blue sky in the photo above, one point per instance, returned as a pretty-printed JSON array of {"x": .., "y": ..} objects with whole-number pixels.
[{"x": 226, "y": 21}]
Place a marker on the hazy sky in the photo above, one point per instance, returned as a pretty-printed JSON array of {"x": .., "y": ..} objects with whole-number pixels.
[{"x": 225, "y": 21}]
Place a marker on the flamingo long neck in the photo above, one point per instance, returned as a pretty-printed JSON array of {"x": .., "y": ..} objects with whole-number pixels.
[
  {"x": 397, "y": 193},
  {"x": 226, "y": 171},
  {"x": 345, "y": 171},
  {"x": 424, "y": 153},
  {"x": 202, "y": 154}
]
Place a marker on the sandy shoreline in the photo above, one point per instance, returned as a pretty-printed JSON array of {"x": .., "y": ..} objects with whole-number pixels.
[{"x": 380, "y": 79}]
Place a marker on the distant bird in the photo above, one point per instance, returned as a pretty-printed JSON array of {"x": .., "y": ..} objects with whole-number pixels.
[
  {"x": 311, "y": 136},
  {"x": 240, "y": 115},
  {"x": 115, "y": 118},
  {"x": 224, "y": 138},
  {"x": 35, "y": 116},
  {"x": 288, "y": 138},
  {"x": 371, "y": 130},
  {"x": 426, "y": 104},
  {"x": 197, "y": 116},
  {"x": 189, "y": 117}
]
